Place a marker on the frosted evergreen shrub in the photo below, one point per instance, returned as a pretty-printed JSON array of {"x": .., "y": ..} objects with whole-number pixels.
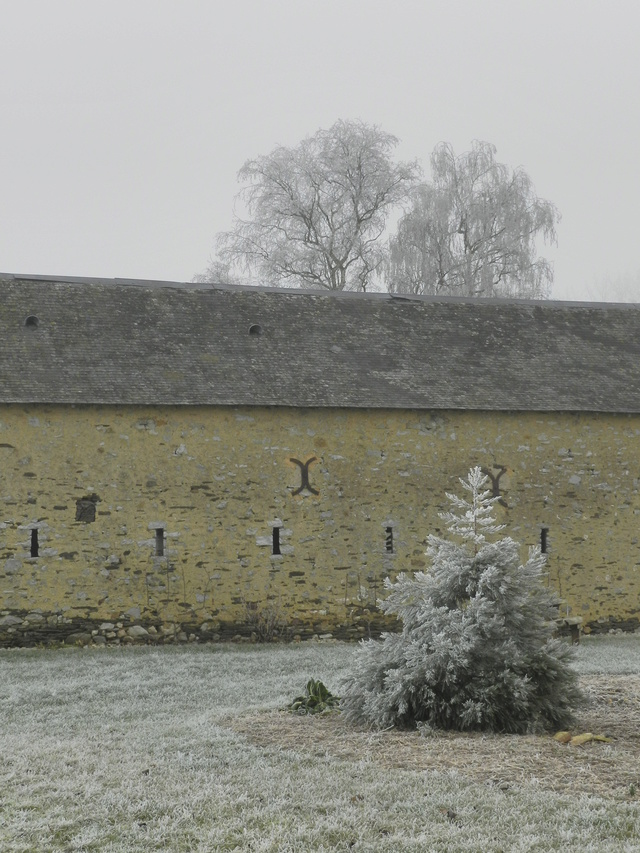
[{"x": 476, "y": 650}]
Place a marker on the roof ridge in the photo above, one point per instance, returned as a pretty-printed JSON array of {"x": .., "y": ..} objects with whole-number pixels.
[{"x": 154, "y": 284}]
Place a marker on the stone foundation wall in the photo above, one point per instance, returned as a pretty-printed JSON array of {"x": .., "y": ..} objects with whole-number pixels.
[
  {"x": 42, "y": 630},
  {"x": 192, "y": 516}
]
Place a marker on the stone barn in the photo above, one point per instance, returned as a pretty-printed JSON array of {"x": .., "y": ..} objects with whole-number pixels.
[{"x": 206, "y": 461}]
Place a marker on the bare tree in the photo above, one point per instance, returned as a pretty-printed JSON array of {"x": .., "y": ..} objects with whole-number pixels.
[
  {"x": 472, "y": 231},
  {"x": 217, "y": 273},
  {"x": 316, "y": 213},
  {"x": 620, "y": 288}
]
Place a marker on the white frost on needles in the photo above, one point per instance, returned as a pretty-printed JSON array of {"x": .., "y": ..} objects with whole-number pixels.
[
  {"x": 475, "y": 517},
  {"x": 476, "y": 650}
]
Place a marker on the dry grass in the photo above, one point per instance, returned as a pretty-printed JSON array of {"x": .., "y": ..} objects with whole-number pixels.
[{"x": 602, "y": 769}]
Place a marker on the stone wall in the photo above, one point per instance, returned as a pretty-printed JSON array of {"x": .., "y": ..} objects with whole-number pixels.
[{"x": 210, "y": 522}]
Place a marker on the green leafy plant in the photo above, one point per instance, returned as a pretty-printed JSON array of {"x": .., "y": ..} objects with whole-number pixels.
[{"x": 317, "y": 699}]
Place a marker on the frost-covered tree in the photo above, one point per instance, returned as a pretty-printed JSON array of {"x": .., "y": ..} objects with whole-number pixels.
[
  {"x": 619, "y": 288},
  {"x": 316, "y": 213},
  {"x": 472, "y": 231},
  {"x": 476, "y": 650},
  {"x": 218, "y": 272}
]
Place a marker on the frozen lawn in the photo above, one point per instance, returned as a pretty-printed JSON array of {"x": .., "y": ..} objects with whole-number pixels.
[{"x": 184, "y": 749}]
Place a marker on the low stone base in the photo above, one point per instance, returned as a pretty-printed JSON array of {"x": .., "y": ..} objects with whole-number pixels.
[{"x": 34, "y": 628}]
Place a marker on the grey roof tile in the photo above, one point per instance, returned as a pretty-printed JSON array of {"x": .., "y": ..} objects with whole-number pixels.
[{"x": 139, "y": 342}]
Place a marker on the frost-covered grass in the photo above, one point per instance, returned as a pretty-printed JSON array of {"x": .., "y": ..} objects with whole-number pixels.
[
  {"x": 127, "y": 750},
  {"x": 613, "y": 654}
]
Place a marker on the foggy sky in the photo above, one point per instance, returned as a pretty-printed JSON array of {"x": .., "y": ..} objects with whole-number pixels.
[{"x": 123, "y": 122}]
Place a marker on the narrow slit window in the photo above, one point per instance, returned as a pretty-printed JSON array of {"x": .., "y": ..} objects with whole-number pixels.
[
  {"x": 276, "y": 540},
  {"x": 544, "y": 540},
  {"x": 35, "y": 548},
  {"x": 159, "y": 542},
  {"x": 388, "y": 542}
]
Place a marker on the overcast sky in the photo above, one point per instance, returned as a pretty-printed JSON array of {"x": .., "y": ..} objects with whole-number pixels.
[{"x": 123, "y": 123}]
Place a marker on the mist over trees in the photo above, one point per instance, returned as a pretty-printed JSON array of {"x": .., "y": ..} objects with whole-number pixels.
[
  {"x": 217, "y": 272},
  {"x": 472, "y": 231},
  {"x": 317, "y": 212},
  {"x": 622, "y": 288},
  {"x": 316, "y": 216}
]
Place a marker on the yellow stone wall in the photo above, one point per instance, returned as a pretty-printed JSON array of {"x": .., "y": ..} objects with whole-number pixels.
[{"x": 220, "y": 479}]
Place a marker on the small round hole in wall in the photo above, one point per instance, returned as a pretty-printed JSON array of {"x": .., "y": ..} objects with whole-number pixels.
[
  {"x": 255, "y": 329},
  {"x": 32, "y": 322}
]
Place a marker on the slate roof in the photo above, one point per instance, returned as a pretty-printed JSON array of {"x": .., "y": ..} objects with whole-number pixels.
[{"x": 158, "y": 343}]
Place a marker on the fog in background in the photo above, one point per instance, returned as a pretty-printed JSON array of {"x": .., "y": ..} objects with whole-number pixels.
[{"x": 123, "y": 124}]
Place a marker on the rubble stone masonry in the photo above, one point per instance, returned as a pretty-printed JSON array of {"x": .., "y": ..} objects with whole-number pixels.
[{"x": 149, "y": 524}]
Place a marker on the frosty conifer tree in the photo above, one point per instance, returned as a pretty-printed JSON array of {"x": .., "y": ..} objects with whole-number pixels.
[{"x": 476, "y": 649}]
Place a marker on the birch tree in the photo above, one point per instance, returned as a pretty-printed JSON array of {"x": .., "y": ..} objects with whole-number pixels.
[
  {"x": 316, "y": 213},
  {"x": 473, "y": 230}
]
